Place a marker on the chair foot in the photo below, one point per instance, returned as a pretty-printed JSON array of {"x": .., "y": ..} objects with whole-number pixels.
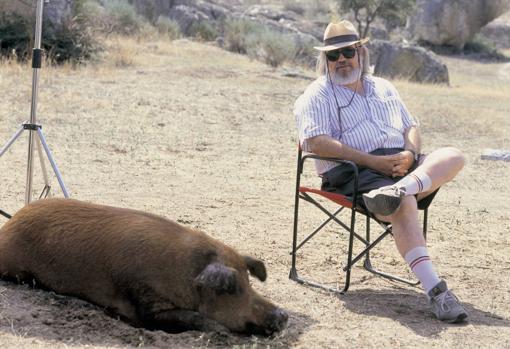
[
  {"x": 368, "y": 266},
  {"x": 293, "y": 275}
]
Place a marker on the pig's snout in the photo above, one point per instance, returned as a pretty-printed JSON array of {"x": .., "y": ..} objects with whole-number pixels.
[{"x": 276, "y": 321}]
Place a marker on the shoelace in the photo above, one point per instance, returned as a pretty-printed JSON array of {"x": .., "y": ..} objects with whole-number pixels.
[
  {"x": 398, "y": 191},
  {"x": 445, "y": 300}
]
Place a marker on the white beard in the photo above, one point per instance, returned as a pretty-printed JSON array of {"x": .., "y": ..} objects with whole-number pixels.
[{"x": 351, "y": 78}]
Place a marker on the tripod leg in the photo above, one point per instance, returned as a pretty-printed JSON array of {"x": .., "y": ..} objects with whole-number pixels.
[
  {"x": 47, "y": 187},
  {"x": 52, "y": 162},
  {"x": 10, "y": 141}
]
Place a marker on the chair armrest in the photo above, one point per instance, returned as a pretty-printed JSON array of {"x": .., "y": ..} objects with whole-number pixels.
[
  {"x": 333, "y": 159},
  {"x": 339, "y": 162}
]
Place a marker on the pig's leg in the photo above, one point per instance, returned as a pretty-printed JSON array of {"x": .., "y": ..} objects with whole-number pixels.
[{"x": 180, "y": 320}]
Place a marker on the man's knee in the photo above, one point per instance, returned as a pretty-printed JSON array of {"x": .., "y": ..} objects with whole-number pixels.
[{"x": 455, "y": 157}]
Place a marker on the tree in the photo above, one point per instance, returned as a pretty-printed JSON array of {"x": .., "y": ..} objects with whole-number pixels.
[{"x": 393, "y": 12}]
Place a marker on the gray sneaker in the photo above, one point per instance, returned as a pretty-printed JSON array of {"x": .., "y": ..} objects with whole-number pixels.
[
  {"x": 445, "y": 305},
  {"x": 385, "y": 200}
]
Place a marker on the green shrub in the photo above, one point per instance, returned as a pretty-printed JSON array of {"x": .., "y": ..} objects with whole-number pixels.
[
  {"x": 259, "y": 42},
  {"x": 484, "y": 48},
  {"x": 121, "y": 17},
  {"x": 203, "y": 30},
  {"x": 271, "y": 47},
  {"x": 15, "y": 36},
  {"x": 236, "y": 32},
  {"x": 168, "y": 27},
  {"x": 73, "y": 41}
]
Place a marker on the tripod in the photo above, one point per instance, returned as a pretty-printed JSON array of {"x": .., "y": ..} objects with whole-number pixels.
[{"x": 34, "y": 129}]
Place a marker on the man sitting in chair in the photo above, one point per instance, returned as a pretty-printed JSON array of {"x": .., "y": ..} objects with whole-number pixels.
[{"x": 348, "y": 114}]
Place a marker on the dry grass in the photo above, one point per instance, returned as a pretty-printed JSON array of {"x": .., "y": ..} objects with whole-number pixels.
[{"x": 206, "y": 137}]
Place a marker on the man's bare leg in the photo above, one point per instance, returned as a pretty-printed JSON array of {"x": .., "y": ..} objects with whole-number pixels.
[{"x": 436, "y": 169}]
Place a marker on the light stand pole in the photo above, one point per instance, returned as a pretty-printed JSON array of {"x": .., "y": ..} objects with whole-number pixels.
[{"x": 32, "y": 127}]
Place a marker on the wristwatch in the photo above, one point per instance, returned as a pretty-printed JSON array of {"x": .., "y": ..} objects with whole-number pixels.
[{"x": 416, "y": 156}]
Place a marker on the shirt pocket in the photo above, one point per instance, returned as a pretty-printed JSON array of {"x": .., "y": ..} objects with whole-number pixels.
[{"x": 388, "y": 111}]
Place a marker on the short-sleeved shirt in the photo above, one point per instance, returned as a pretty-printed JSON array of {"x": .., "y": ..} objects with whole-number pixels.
[{"x": 377, "y": 120}]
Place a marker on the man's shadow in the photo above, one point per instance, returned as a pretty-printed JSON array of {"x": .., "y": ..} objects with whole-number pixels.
[{"x": 411, "y": 309}]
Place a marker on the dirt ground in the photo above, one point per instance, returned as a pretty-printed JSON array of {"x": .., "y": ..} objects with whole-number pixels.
[{"x": 207, "y": 138}]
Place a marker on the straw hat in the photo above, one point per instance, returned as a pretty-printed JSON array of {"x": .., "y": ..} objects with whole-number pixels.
[{"x": 338, "y": 35}]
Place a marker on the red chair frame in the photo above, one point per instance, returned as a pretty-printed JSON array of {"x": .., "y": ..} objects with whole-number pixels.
[{"x": 309, "y": 194}]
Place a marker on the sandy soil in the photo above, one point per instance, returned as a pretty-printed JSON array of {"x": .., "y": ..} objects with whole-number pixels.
[{"x": 207, "y": 138}]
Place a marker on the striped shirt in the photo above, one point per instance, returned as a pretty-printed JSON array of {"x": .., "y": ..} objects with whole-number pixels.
[{"x": 377, "y": 120}]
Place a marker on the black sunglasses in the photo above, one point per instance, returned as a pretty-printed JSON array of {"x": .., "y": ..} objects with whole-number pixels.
[{"x": 347, "y": 52}]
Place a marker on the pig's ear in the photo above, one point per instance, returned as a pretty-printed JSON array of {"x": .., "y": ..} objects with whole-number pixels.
[
  {"x": 256, "y": 267},
  {"x": 217, "y": 277}
]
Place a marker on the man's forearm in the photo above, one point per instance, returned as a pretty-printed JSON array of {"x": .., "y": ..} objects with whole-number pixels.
[{"x": 330, "y": 147}]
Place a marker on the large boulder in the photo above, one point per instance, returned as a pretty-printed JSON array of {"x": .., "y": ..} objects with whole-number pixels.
[
  {"x": 453, "y": 22},
  {"x": 54, "y": 12},
  {"x": 498, "y": 31},
  {"x": 407, "y": 62}
]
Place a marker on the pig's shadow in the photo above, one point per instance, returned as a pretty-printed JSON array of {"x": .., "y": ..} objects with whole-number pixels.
[{"x": 35, "y": 313}]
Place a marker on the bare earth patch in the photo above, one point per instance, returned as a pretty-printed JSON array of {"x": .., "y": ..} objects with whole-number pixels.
[{"x": 207, "y": 138}]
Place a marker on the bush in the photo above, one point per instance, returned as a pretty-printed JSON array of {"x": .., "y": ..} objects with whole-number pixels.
[
  {"x": 259, "y": 42},
  {"x": 236, "y": 32},
  {"x": 168, "y": 27},
  {"x": 484, "y": 48},
  {"x": 120, "y": 17},
  {"x": 73, "y": 41},
  {"x": 271, "y": 47},
  {"x": 15, "y": 36},
  {"x": 203, "y": 30}
]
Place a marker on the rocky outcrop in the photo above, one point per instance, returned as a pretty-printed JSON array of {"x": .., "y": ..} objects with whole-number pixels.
[
  {"x": 408, "y": 62},
  {"x": 54, "y": 12},
  {"x": 498, "y": 31},
  {"x": 453, "y": 22}
]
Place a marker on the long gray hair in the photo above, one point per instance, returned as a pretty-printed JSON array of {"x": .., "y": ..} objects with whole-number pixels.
[{"x": 322, "y": 62}]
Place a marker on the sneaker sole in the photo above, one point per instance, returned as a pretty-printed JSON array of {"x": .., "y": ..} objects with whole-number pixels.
[
  {"x": 460, "y": 318},
  {"x": 381, "y": 204}
]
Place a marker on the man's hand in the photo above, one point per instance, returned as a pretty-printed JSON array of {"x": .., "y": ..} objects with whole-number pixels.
[
  {"x": 403, "y": 163},
  {"x": 396, "y": 165}
]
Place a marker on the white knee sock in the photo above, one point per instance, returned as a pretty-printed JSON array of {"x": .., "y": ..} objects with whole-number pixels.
[
  {"x": 415, "y": 182},
  {"x": 419, "y": 261}
]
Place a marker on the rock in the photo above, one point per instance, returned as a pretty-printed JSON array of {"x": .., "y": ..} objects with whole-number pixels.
[
  {"x": 155, "y": 8},
  {"x": 498, "y": 31},
  {"x": 56, "y": 11},
  {"x": 453, "y": 22},
  {"x": 495, "y": 154},
  {"x": 186, "y": 16},
  {"x": 406, "y": 61}
]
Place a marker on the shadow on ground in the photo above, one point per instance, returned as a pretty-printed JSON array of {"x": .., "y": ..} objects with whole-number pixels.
[{"x": 410, "y": 309}]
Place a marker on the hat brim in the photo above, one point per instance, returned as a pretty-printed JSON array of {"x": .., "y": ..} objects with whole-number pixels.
[{"x": 341, "y": 45}]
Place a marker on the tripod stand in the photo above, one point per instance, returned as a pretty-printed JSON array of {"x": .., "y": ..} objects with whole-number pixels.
[{"x": 34, "y": 129}]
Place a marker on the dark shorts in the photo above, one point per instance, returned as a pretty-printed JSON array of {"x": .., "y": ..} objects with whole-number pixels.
[{"x": 340, "y": 179}]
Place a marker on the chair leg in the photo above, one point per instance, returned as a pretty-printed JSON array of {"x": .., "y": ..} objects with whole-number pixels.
[
  {"x": 367, "y": 264},
  {"x": 293, "y": 272},
  {"x": 349, "y": 252}
]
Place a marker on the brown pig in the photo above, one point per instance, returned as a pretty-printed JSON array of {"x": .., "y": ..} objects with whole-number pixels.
[{"x": 149, "y": 270}]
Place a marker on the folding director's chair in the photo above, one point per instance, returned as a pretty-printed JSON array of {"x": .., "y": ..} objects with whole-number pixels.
[{"x": 317, "y": 198}]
